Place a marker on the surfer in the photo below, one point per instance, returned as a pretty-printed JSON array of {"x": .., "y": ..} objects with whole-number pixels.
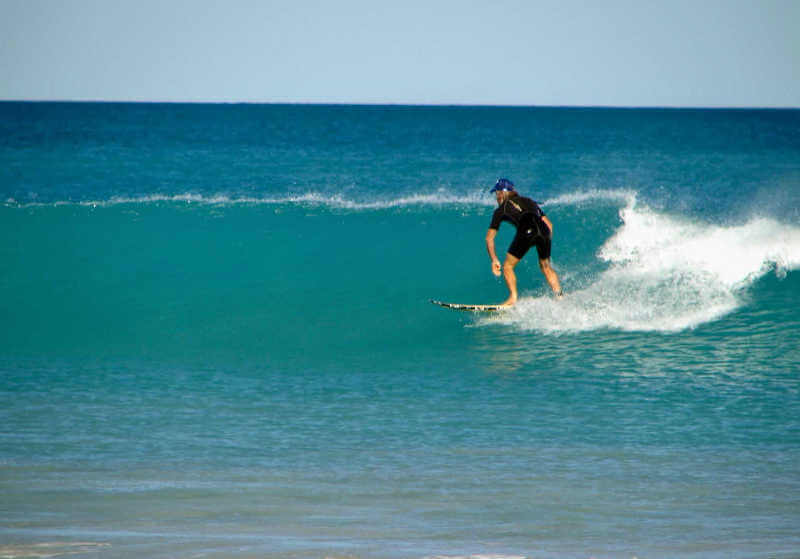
[{"x": 533, "y": 228}]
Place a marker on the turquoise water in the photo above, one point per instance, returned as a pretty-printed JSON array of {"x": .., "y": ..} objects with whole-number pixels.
[{"x": 217, "y": 341}]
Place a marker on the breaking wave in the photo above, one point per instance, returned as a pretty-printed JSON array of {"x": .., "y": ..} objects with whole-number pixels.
[{"x": 664, "y": 273}]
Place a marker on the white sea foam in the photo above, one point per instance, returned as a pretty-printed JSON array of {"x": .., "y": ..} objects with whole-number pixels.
[
  {"x": 334, "y": 201},
  {"x": 438, "y": 198},
  {"x": 665, "y": 274},
  {"x": 591, "y": 195}
]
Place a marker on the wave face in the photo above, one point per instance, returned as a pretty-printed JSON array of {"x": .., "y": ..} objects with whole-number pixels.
[
  {"x": 216, "y": 336},
  {"x": 197, "y": 274}
]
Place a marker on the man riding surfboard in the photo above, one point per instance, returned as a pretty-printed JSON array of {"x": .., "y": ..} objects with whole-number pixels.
[{"x": 533, "y": 229}]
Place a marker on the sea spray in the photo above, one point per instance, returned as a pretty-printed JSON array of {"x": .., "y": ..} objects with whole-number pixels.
[{"x": 665, "y": 273}]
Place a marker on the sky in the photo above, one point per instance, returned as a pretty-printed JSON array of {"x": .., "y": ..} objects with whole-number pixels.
[{"x": 670, "y": 53}]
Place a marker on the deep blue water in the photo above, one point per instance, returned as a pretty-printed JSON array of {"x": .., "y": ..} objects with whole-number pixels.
[{"x": 216, "y": 340}]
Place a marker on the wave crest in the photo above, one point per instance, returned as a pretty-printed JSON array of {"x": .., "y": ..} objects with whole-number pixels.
[
  {"x": 438, "y": 198},
  {"x": 333, "y": 201}
]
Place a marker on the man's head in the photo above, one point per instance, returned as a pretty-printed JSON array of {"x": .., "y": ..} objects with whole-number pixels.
[{"x": 502, "y": 189}]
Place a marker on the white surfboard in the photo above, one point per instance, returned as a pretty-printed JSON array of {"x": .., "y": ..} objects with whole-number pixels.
[{"x": 466, "y": 307}]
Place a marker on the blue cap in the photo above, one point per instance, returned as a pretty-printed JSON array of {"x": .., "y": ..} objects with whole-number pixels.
[{"x": 502, "y": 184}]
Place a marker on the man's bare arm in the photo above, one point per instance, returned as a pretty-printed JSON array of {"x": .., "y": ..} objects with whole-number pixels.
[{"x": 490, "y": 235}]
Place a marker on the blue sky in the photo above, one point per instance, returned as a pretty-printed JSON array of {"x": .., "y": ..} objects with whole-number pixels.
[{"x": 507, "y": 52}]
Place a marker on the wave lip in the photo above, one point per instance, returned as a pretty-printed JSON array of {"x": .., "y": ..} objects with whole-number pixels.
[
  {"x": 627, "y": 197},
  {"x": 666, "y": 274},
  {"x": 335, "y": 201},
  {"x": 649, "y": 243},
  {"x": 439, "y": 198}
]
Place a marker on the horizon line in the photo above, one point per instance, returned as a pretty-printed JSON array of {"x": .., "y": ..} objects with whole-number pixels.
[{"x": 405, "y": 104}]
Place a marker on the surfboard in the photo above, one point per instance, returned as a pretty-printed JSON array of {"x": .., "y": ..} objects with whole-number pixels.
[{"x": 465, "y": 307}]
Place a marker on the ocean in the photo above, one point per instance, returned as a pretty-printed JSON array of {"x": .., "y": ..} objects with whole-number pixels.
[{"x": 216, "y": 338}]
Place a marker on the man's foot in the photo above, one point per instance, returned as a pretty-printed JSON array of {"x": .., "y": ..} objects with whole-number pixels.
[
  {"x": 558, "y": 295},
  {"x": 509, "y": 302}
]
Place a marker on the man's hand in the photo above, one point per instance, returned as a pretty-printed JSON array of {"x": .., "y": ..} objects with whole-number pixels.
[{"x": 496, "y": 268}]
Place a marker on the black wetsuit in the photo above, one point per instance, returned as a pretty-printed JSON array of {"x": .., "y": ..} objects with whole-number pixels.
[{"x": 526, "y": 216}]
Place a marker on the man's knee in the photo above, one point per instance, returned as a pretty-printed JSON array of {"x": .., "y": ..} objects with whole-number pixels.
[{"x": 508, "y": 266}]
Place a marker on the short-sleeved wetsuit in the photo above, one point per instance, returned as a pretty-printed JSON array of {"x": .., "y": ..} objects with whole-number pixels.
[{"x": 526, "y": 216}]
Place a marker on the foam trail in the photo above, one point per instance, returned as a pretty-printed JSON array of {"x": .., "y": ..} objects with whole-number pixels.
[
  {"x": 439, "y": 198},
  {"x": 334, "y": 201},
  {"x": 665, "y": 274},
  {"x": 576, "y": 198}
]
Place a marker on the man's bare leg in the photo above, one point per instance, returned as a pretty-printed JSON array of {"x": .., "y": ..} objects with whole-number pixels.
[
  {"x": 551, "y": 276},
  {"x": 511, "y": 278}
]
